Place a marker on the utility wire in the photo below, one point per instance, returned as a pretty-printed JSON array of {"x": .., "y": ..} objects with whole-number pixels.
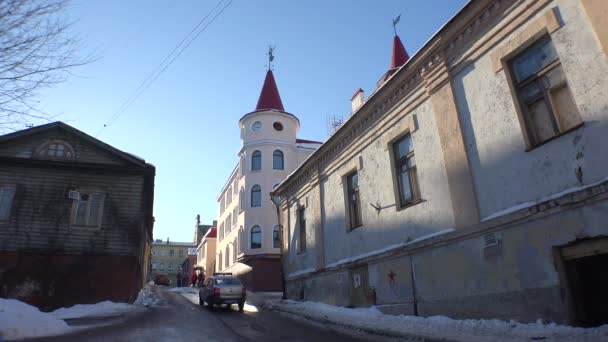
[{"x": 159, "y": 70}]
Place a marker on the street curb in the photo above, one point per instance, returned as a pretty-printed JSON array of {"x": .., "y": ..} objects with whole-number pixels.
[{"x": 371, "y": 331}]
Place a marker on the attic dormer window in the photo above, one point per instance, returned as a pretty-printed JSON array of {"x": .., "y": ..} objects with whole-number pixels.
[{"x": 55, "y": 150}]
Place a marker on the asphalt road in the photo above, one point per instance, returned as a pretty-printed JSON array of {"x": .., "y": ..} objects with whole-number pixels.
[{"x": 175, "y": 318}]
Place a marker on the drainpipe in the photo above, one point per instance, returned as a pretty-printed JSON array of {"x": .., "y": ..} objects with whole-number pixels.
[
  {"x": 413, "y": 277},
  {"x": 274, "y": 200}
]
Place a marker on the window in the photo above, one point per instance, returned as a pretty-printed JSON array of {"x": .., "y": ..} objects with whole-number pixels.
[
  {"x": 353, "y": 200},
  {"x": 171, "y": 252},
  {"x": 277, "y": 126},
  {"x": 162, "y": 266},
  {"x": 229, "y": 196},
  {"x": 544, "y": 97},
  {"x": 242, "y": 199},
  {"x": 87, "y": 211},
  {"x": 170, "y": 267},
  {"x": 163, "y": 252},
  {"x": 277, "y": 160},
  {"x": 227, "y": 261},
  {"x": 154, "y": 252},
  {"x": 256, "y": 196},
  {"x": 221, "y": 231},
  {"x": 302, "y": 226},
  {"x": 228, "y": 223},
  {"x": 6, "y": 200},
  {"x": 242, "y": 242},
  {"x": 235, "y": 216},
  {"x": 219, "y": 262},
  {"x": 256, "y": 161},
  {"x": 234, "y": 249},
  {"x": 235, "y": 187},
  {"x": 181, "y": 253},
  {"x": 256, "y": 126},
  {"x": 256, "y": 237},
  {"x": 275, "y": 237},
  {"x": 222, "y": 205},
  {"x": 55, "y": 150},
  {"x": 153, "y": 265},
  {"x": 405, "y": 171}
]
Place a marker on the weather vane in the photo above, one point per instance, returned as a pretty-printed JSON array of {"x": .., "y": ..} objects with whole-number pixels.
[
  {"x": 270, "y": 56},
  {"x": 395, "y": 21}
]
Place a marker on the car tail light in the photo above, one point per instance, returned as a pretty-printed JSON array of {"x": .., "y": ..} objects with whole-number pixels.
[
  {"x": 243, "y": 292},
  {"x": 216, "y": 291}
]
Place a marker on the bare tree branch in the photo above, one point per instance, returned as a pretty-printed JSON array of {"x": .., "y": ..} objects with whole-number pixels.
[{"x": 36, "y": 52}]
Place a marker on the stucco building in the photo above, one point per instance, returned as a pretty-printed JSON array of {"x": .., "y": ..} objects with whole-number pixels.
[
  {"x": 205, "y": 252},
  {"x": 247, "y": 235},
  {"x": 473, "y": 182},
  {"x": 75, "y": 218},
  {"x": 168, "y": 256}
]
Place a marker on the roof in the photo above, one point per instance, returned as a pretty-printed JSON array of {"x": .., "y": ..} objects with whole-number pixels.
[
  {"x": 269, "y": 96},
  {"x": 60, "y": 125},
  {"x": 171, "y": 243},
  {"x": 211, "y": 233},
  {"x": 399, "y": 55},
  {"x": 304, "y": 141}
]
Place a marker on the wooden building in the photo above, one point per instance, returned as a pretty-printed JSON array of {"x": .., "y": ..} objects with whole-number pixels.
[{"x": 75, "y": 218}]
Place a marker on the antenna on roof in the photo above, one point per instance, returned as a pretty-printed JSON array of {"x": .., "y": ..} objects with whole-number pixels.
[
  {"x": 395, "y": 21},
  {"x": 333, "y": 123},
  {"x": 270, "y": 55}
]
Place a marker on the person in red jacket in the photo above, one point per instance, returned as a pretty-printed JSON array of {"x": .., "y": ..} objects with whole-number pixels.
[{"x": 194, "y": 278}]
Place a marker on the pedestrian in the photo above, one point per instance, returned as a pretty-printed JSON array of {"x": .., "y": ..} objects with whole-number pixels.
[
  {"x": 179, "y": 279},
  {"x": 201, "y": 278},
  {"x": 194, "y": 278}
]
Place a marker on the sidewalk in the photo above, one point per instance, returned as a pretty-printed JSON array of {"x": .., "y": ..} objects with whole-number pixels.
[{"x": 436, "y": 328}]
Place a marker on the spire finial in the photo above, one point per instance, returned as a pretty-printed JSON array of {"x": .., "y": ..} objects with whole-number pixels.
[
  {"x": 270, "y": 56},
  {"x": 395, "y": 21}
]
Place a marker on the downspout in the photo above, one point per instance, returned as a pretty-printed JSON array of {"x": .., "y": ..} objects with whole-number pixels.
[
  {"x": 413, "y": 277},
  {"x": 277, "y": 205}
]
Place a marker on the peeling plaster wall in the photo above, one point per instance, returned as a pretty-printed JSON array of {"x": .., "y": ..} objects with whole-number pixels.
[
  {"x": 504, "y": 173},
  {"x": 390, "y": 226}
]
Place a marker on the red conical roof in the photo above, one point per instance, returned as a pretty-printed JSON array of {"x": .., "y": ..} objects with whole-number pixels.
[
  {"x": 399, "y": 56},
  {"x": 269, "y": 97}
]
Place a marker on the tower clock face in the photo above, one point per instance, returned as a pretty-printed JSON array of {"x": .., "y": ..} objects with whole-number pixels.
[{"x": 256, "y": 126}]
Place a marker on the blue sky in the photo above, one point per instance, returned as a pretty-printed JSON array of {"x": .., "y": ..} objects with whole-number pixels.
[{"x": 186, "y": 122}]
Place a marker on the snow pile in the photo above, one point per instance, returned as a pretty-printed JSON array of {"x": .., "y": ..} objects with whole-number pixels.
[
  {"x": 101, "y": 309},
  {"x": 19, "y": 320},
  {"x": 438, "y": 327}
]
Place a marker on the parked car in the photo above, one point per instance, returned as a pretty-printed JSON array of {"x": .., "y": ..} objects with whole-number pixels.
[
  {"x": 222, "y": 288},
  {"x": 162, "y": 279}
]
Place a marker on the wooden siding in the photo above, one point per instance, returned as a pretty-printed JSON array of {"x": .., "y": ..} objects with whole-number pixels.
[
  {"x": 85, "y": 152},
  {"x": 41, "y": 211}
]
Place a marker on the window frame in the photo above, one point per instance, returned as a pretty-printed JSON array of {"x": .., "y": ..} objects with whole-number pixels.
[
  {"x": 11, "y": 200},
  {"x": 301, "y": 213},
  {"x": 256, "y": 156},
  {"x": 414, "y": 183},
  {"x": 251, "y": 232},
  {"x": 355, "y": 220},
  {"x": 275, "y": 157},
  {"x": 258, "y": 189},
  {"x": 75, "y": 204},
  {"x": 276, "y": 237},
  {"x": 538, "y": 77}
]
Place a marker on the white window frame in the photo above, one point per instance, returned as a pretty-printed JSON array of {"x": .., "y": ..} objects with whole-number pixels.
[{"x": 75, "y": 204}]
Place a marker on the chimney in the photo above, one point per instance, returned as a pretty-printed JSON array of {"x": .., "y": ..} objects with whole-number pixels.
[
  {"x": 167, "y": 240},
  {"x": 214, "y": 223},
  {"x": 358, "y": 99}
]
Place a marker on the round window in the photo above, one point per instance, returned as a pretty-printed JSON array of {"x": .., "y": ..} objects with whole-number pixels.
[
  {"x": 256, "y": 126},
  {"x": 278, "y": 126}
]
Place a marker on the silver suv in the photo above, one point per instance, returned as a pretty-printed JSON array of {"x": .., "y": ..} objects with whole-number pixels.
[{"x": 222, "y": 288}]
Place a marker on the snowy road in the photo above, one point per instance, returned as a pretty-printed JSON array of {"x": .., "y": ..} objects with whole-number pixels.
[{"x": 176, "y": 318}]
